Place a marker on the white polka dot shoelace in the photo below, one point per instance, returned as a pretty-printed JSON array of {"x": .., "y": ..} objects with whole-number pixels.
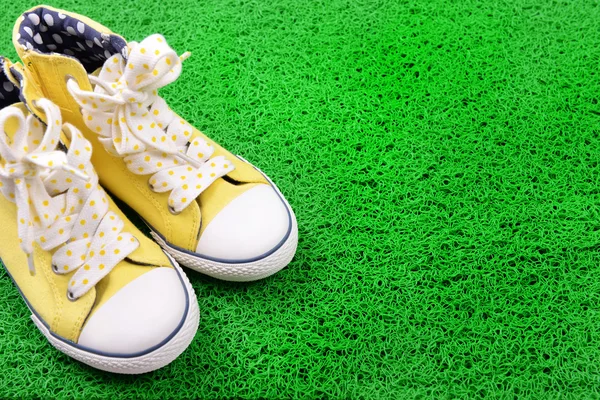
[
  {"x": 133, "y": 122},
  {"x": 59, "y": 202}
]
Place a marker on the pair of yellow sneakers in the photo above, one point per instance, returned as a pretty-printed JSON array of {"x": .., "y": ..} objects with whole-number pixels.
[{"x": 82, "y": 115}]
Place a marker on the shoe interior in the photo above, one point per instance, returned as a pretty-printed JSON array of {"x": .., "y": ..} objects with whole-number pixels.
[
  {"x": 48, "y": 31},
  {"x": 9, "y": 93}
]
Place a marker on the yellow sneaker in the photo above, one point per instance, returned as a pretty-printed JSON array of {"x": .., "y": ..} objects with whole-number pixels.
[
  {"x": 98, "y": 289},
  {"x": 212, "y": 211}
]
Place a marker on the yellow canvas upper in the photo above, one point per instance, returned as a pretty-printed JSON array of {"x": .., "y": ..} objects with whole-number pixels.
[
  {"x": 45, "y": 291},
  {"x": 46, "y": 76}
]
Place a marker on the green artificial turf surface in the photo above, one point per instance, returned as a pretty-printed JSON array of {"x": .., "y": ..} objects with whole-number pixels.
[{"x": 442, "y": 159}]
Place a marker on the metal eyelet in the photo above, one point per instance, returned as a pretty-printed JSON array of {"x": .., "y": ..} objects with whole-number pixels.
[
  {"x": 150, "y": 186},
  {"x": 70, "y": 296},
  {"x": 55, "y": 268},
  {"x": 172, "y": 211}
]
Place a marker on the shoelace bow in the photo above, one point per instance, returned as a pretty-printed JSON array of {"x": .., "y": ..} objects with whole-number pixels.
[
  {"x": 133, "y": 122},
  {"x": 59, "y": 202}
]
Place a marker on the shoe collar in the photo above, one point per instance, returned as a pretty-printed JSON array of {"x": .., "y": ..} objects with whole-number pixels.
[
  {"x": 10, "y": 86},
  {"x": 47, "y": 30}
]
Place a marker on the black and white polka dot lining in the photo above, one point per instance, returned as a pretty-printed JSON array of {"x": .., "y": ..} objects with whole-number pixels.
[
  {"x": 9, "y": 93},
  {"x": 48, "y": 31}
]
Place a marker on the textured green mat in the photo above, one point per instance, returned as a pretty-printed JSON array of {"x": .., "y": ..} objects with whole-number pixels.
[{"x": 443, "y": 162}]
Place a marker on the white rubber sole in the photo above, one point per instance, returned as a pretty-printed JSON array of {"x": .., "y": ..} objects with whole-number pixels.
[
  {"x": 140, "y": 364},
  {"x": 240, "y": 272}
]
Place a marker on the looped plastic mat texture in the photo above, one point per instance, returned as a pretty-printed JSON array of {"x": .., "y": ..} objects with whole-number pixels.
[{"x": 442, "y": 159}]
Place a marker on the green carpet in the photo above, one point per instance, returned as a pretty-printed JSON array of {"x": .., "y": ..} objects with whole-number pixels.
[{"x": 443, "y": 162}]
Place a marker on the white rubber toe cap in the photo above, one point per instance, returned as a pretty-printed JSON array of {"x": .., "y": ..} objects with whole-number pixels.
[
  {"x": 249, "y": 227},
  {"x": 141, "y": 315}
]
